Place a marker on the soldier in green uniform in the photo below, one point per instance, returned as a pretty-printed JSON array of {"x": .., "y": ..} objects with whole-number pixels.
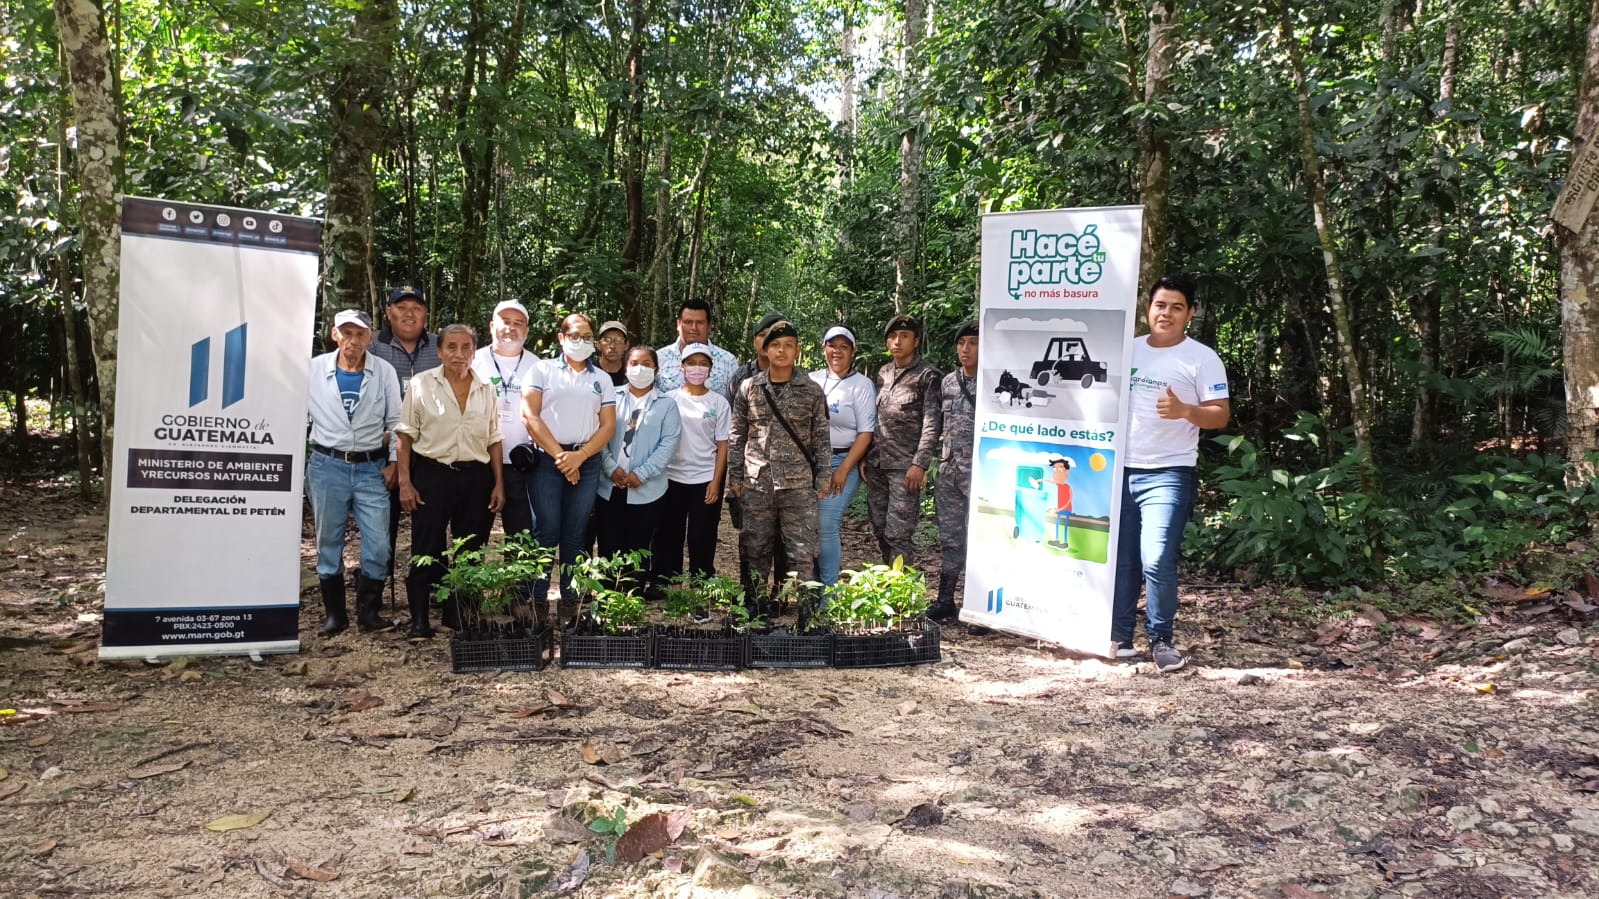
[
  {"x": 908, "y": 421},
  {"x": 777, "y": 462},
  {"x": 958, "y": 402}
]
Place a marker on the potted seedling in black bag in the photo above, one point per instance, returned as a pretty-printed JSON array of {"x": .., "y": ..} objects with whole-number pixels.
[
  {"x": 878, "y": 616},
  {"x": 481, "y": 585},
  {"x": 611, "y": 629}
]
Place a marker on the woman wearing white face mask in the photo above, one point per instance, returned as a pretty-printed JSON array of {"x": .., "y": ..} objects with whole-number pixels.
[
  {"x": 569, "y": 407},
  {"x": 635, "y": 460},
  {"x": 692, "y": 507}
]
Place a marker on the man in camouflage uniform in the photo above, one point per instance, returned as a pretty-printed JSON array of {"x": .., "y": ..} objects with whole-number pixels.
[
  {"x": 778, "y": 475},
  {"x": 750, "y": 369},
  {"x": 908, "y": 422},
  {"x": 953, "y": 489}
]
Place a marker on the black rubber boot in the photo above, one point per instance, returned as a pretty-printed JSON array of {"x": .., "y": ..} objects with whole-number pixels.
[
  {"x": 418, "y": 595},
  {"x": 333, "y": 602},
  {"x": 368, "y": 601},
  {"x": 944, "y": 609}
]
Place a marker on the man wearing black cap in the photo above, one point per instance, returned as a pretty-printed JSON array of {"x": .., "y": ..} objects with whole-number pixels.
[
  {"x": 354, "y": 405},
  {"x": 908, "y": 422},
  {"x": 777, "y": 464},
  {"x": 405, "y": 343},
  {"x": 750, "y": 369},
  {"x": 406, "y": 346},
  {"x": 757, "y": 362},
  {"x": 958, "y": 406}
]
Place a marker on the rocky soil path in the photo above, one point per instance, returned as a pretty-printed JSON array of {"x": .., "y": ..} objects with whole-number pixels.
[{"x": 1352, "y": 757}]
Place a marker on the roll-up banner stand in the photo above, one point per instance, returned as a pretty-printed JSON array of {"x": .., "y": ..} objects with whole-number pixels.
[
  {"x": 203, "y": 554},
  {"x": 1059, "y": 297}
]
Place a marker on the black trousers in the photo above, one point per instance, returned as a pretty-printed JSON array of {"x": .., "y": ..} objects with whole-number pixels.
[
  {"x": 684, "y": 514},
  {"x": 622, "y": 528},
  {"x": 455, "y": 504}
]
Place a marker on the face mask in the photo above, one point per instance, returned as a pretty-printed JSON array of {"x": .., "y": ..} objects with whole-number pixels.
[
  {"x": 640, "y": 376},
  {"x": 696, "y": 374},
  {"x": 577, "y": 350}
]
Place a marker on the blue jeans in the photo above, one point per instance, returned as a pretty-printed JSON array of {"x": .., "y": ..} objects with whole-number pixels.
[
  {"x": 829, "y": 513},
  {"x": 336, "y": 488},
  {"x": 1156, "y": 503},
  {"x": 561, "y": 516}
]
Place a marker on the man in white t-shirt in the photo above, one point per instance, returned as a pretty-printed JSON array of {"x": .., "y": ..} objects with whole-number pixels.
[
  {"x": 506, "y": 364},
  {"x": 1178, "y": 387}
]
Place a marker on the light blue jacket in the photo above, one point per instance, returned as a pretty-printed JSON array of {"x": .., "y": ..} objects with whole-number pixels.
[{"x": 654, "y": 444}]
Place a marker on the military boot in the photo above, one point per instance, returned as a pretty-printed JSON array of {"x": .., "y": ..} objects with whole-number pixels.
[
  {"x": 944, "y": 609},
  {"x": 368, "y": 600},
  {"x": 333, "y": 602}
]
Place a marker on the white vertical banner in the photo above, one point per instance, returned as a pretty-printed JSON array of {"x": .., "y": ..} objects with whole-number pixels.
[
  {"x": 1059, "y": 297},
  {"x": 203, "y": 554}
]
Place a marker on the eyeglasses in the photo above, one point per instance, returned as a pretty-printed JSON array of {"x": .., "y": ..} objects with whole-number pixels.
[{"x": 612, "y": 340}]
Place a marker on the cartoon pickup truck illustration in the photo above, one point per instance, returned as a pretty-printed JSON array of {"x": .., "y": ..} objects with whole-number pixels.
[{"x": 1066, "y": 359}]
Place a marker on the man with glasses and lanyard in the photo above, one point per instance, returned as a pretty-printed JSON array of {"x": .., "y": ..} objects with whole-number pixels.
[{"x": 507, "y": 365}]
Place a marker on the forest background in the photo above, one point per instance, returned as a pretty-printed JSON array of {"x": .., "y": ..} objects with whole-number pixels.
[{"x": 1362, "y": 189}]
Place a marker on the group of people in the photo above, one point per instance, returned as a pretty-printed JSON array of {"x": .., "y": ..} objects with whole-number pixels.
[{"x": 620, "y": 446}]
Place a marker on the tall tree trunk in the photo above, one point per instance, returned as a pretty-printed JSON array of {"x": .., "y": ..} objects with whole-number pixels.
[
  {"x": 1429, "y": 305},
  {"x": 1359, "y": 400},
  {"x": 83, "y": 39},
  {"x": 80, "y": 414},
  {"x": 471, "y": 146},
  {"x": 910, "y": 156},
  {"x": 1579, "y": 287},
  {"x": 660, "y": 276},
  {"x": 1154, "y": 142},
  {"x": 633, "y": 157},
  {"x": 696, "y": 247},
  {"x": 355, "y": 103},
  {"x": 846, "y": 100}
]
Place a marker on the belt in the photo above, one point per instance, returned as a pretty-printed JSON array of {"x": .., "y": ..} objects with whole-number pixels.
[
  {"x": 842, "y": 450},
  {"x": 573, "y": 447},
  {"x": 357, "y": 456},
  {"x": 463, "y": 465}
]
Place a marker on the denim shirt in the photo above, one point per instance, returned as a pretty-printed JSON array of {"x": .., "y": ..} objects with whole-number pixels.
[
  {"x": 654, "y": 444},
  {"x": 376, "y": 412}
]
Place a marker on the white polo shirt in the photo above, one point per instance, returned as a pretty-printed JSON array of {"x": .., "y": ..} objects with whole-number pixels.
[
  {"x": 1195, "y": 374},
  {"x": 508, "y": 375},
  {"x": 572, "y": 399}
]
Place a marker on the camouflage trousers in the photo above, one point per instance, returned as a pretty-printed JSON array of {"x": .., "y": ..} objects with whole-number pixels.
[
  {"x": 894, "y": 512},
  {"x": 952, "y": 495},
  {"x": 779, "y": 518}
]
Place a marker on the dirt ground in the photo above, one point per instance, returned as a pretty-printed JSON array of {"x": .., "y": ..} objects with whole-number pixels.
[{"x": 1349, "y": 757}]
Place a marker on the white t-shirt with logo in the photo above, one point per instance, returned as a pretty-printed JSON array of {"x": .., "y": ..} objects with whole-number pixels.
[
  {"x": 707, "y": 420},
  {"x": 572, "y": 399},
  {"x": 851, "y": 405},
  {"x": 1195, "y": 374},
  {"x": 508, "y": 375}
]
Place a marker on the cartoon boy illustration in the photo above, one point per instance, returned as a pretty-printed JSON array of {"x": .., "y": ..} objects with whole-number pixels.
[{"x": 1059, "y": 471}]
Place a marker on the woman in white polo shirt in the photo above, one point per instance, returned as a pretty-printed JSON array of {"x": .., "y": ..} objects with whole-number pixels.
[
  {"x": 693, "y": 503},
  {"x": 851, "y": 420},
  {"x": 569, "y": 407}
]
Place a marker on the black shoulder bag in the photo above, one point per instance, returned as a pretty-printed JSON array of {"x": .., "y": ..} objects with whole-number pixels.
[{"x": 770, "y": 401}]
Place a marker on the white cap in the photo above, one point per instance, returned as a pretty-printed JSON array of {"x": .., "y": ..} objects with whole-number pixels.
[
  {"x": 701, "y": 348},
  {"x": 839, "y": 331},
  {"x": 512, "y": 304},
  {"x": 352, "y": 317}
]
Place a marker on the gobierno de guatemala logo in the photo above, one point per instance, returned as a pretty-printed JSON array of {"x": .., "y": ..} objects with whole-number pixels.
[
  {"x": 1046, "y": 266},
  {"x": 214, "y": 429}
]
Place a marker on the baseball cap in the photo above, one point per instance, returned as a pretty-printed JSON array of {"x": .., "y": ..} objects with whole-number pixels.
[
  {"x": 780, "y": 328},
  {"x": 406, "y": 292},
  {"x": 839, "y": 331},
  {"x": 691, "y": 349},
  {"x": 902, "y": 323},
  {"x": 352, "y": 317},
  {"x": 511, "y": 304},
  {"x": 614, "y": 325},
  {"x": 767, "y": 320}
]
